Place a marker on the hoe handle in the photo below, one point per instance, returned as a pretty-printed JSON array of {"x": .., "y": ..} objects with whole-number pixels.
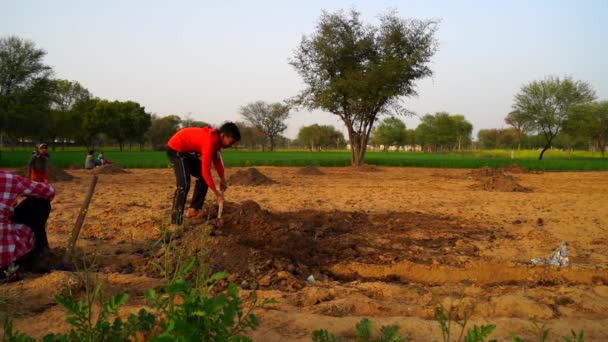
[{"x": 80, "y": 220}]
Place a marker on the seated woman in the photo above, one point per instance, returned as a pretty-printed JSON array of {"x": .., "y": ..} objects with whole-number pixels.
[
  {"x": 90, "y": 162},
  {"x": 23, "y": 240}
]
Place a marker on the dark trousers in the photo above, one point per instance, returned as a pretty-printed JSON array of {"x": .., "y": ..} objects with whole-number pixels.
[
  {"x": 34, "y": 212},
  {"x": 186, "y": 165}
]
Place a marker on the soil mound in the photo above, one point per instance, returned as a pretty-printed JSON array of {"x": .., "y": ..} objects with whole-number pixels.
[
  {"x": 310, "y": 171},
  {"x": 250, "y": 177},
  {"x": 55, "y": 174},
  {"x": 515, "y": 168},
  {"x": 108, "y": 170},
  {"x": 281, "y": 250},
  {"x": 491, "y": 179}
]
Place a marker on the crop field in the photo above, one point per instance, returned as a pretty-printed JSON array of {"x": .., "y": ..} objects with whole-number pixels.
[
  {"x": 553, "y": 161},
  {"x": 335, "y": 244}
]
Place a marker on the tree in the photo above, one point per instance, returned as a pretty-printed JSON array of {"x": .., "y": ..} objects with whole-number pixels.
[
  {"x": 519, "y": 121},
  {"x": 126, "y": 122},
  {"x": 65, "y": 122},
  {"x": 251, "y": 137},
  {"x": 443, "y": 131},
  {"x": 591, "y": 122},
  {"x": 320, "y": 136},
  {"x": 390, "y": 132},
  {"x": 161, "y": 130},
  {"x": 547, "y": 104},
  {"x": 462, "y": 130},
  {"x": 359, "y": 72},
  {"x": 268, "y": 118},
  {"x": 25, "y": 88}
]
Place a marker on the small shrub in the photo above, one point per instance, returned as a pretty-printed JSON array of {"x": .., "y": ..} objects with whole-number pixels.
[{"x": 363, "y": 332}]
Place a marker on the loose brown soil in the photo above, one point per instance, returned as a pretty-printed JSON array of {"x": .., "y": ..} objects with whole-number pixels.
[
  {"x": 490, "y": 179},
  {"x": 389, "y": 248},
  {"x": 310, "y": 171}
]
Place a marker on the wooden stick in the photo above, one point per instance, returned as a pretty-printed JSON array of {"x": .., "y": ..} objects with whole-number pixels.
[{"x": 80, "y": 219}]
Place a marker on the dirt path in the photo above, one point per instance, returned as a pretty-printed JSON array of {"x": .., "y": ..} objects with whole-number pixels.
[{"x": 389, "y": 245}]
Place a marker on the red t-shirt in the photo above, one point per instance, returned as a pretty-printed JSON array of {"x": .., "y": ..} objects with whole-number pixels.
[{"x": 206, "y": 142}]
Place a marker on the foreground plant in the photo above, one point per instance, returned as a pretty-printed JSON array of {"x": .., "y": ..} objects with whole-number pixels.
[
  {"x": 363, "y": 332},
  {"x": 180, "y": 312}
]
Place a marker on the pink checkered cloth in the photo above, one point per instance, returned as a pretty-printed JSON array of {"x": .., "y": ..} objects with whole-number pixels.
[{"x": 16, "y": 240}]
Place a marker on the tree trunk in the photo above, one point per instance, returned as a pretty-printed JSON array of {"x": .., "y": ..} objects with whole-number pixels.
[
  {"x": 271, "y": 144},
  {"x": 543, "y": 152}
]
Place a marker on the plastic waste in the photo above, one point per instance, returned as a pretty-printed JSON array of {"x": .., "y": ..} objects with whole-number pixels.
[{"x": 559, "y": 257}]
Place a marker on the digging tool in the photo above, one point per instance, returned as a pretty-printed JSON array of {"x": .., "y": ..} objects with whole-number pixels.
[
  {"x": 221, "y": 207},
  {"x": 80, "y": 220}
]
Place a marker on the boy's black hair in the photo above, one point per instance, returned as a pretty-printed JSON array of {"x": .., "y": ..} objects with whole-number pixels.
[
  {"x": 232, "y": 130},
  {"x": 91, "y": 151}
]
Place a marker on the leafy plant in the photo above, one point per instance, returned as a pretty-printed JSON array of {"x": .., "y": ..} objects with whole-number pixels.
[
  {"x": 449, "y": 316},
  {"x": 363, "y": 332},
  {"x": 537, "y": 329},
  {"x": 199, "y": 316},
  {"x": 575, "y": 338}
]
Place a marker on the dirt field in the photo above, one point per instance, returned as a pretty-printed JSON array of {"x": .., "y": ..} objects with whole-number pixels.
[{"x": 389, "y": 245}]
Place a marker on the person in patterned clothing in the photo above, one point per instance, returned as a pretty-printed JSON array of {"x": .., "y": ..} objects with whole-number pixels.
[{"x": 22, "y": 224}]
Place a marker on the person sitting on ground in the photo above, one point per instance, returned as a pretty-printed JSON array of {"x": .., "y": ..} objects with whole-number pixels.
[
  {"x": 90, "y": 162},
  {"x": 23, "y": 240},
  {"x": 101, "y": 159},
  {"x": 191, "y": 151},
  {"x": 37, "y": 167}
]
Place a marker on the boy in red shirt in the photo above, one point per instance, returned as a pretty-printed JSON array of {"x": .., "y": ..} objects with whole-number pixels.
[{"x": 191, "y": 151}]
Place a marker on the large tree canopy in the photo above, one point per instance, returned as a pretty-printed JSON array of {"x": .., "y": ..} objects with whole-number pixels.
[
  {"x": 25, "y": 89},
  {"x": 269, "y": 118},
  {"x": 547, "y": 104},
  {"x": 358, "y": 71}
]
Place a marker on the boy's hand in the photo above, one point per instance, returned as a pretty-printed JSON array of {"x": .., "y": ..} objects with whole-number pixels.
[
  {"x": 219, "y": 196},
  {"x": 223, "y": 184}
]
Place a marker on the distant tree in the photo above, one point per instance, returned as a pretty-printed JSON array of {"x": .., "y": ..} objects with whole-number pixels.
[
  {"x": 99, "y": 116},
  {"x": 161, "y": 130},
  {"x": 251, "y": 137},
  {"x": 188, "y": 121},
  {"x": 25, "y": 89},
  {"x": 89, "y": 126},
  {"x": 359, "y": 72},
  {"x": 462, "y": 129},
  {"x": 320, "y": 136},
  {"x": 411, "y": 138},
  {"x": 521, "y": 123},
  {"x": 268, "y": 118},
  {"x": 65, "y": 122},
  {"x": 126, "y": 121},
  {"x": 390, "y": 132},
  {"x": 547, "y": 104},
  {"x": 489, "y": 138},
  {"x": 590, "y": 121},
  {"x": 443, "y": 131}
]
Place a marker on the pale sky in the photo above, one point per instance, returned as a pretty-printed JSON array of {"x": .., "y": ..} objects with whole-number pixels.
[{"x": 209, "y": 58}]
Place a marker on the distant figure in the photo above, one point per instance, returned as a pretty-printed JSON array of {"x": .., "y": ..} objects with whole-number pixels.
[
  {"x": 101, "y": 159},
  {"x": 38, "y": 166},
  {"x": 90, "y": 162},
  {"x": 23, "y": 240}
]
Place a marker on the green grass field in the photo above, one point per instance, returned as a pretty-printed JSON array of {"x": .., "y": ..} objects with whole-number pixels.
[{"x": 554, "y": 160}]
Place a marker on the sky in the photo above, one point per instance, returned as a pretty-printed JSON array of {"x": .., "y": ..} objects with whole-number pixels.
[{"x": 207, "y": 59}]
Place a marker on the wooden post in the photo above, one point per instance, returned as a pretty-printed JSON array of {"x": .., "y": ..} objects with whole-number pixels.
[{"x": 80, "y": 220}]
